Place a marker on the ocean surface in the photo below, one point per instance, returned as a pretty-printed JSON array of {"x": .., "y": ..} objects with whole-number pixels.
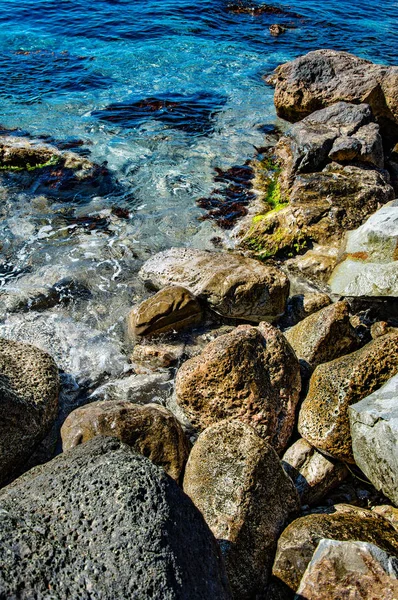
[{"x": 78, "y": 72}]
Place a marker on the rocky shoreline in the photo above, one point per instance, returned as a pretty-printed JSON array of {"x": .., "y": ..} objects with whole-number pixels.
[{"x": 250, "y": 451}]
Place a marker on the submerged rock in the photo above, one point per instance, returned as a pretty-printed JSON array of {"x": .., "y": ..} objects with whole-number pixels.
[
  {"x": 150, "y": 429},
  {"x": 237, "y": 482},
  {"x": 29, "y": 388},
  {"x": 250, "y": 374},
  {"x": 374, "y": 431},
  {"x": 103, "y": 520},
  {"x": 313, "y": 474},
  {"x": 298, "y": 542},
  {"x": 334, "y": 386},
  {"x": 349, "y": 570},
  {"x": 324, "y": 335},
  {"x": 232, "y": 285},
  {"x": 324, "y": 77},
  {"x": 171, "y": 309},
  {"x": 29, "y": 163},
  {"x": 369, "y": 261}
]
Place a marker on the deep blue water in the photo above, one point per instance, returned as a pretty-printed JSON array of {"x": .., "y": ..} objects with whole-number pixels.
[{"x": 83, "y": 70}]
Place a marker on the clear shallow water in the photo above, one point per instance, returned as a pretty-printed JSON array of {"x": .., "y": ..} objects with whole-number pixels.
[{"x": 64, "y": 63}]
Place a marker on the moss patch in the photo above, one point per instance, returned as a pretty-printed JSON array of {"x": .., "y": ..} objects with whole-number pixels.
[{"x": 49, "y": 163}]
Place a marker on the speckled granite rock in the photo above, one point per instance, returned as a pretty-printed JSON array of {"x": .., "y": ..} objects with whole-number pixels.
[
  {"x": 334, "y": 386},
  {"x": 237, "y": 482},
  {"x": 349, "y": 570},
  {"x": 250, "y": 374},
  {"x": 101, "y": 521},
  {"x": 29, "y": 385}
]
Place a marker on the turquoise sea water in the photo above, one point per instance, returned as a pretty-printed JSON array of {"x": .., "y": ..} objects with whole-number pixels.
[{"x": 73, "y": 70}]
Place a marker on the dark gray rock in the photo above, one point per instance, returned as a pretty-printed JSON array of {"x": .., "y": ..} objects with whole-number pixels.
[{"x": 99, "y": 522}]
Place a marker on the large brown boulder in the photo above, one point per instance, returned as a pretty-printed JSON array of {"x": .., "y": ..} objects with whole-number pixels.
[
  {"x": 299, "y": 540},
  {"x": 150, "y": 429},
  {"x": 324, "y": 335},
  {"x": 29, "y": 387},
  {"x": 171, "y": 309},
  {"x": 334, "y": 386},
  {"x": 250, "y": 374},
  {"x": 349, "y": 570},
  {"x": 233, "y": 286},
  {"x": 237, "y": 482},
  {"x": 323, "y": 77}
]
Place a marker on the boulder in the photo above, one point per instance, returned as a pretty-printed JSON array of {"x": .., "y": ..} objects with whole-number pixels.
[
  {"x": 299, "y": 540},
  {"x": 173, "y": 308},
  {"x": 29, "y": 384},
  {"x": 102, "y": 521},
  {"x": 369, "y": 259},
  {"x": 237, "y": 482},
  {"x": 324, "y": 77},
  {"x": 334, "y": 386},
  {"x": 29, "y": 163},
  {"x": 349, "y": 570},
  {"x": 301, "y": 306},
  {"x": 374, "y": 431},
  {"x": 313, "y": 474},
  {"x": 233, "y": 286},
  {"x": 250, "y": 374},
  {"x": 388, "y": 512},
  {"x": 324, "y": 335},
  {"x": 150, "y": 429}
]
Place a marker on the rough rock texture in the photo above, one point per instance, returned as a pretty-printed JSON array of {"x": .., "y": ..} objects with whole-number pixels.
[
  {"x": 388, "y": 512},
  {"x": 334, "y": 386},
  {"x": 29, "y": 385},
  {"x": 250, "y": 374},
  {"x": 313, "y": 474},
  {"x": 357, "y": 570},
  {"x": 324, "y": 335},
  {"x": 237, "y": 482},
  {"x": 101, "y": 521},
  {"x": 150, "y": 429},
  {"x": 369, "y": 262},
  {"x": 374, "y": 431},
  {"x": 26, "y": 162},
  {"x": 299, "y": 540},
  {"x": 171, "y": 309},
  {"x": 233, "y": 285},
  {"x": 324, "y": 77}
]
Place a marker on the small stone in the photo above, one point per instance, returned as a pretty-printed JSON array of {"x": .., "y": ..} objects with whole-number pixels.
[
  {"x": 172, "y": 309},
  {"x": 324, "y": 335},
  {"x": 156, "y": 356},
  {"x": 334, "y": 386},
  {"x": 349, "y": 570},
  {"x": 313, "y": 474},
  {"x": 237, "y": 482},
  {"x": 277, "y": 29},
  {"x": 299, "y": 540},
  {"x": 250, "y": 374},
  {"x": 374, "y": 431}
]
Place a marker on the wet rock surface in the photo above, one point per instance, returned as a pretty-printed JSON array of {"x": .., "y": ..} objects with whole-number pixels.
[
  {"x": 29, "y": 384},
  {"x": 237, "y": 482},
  {"x": 374, "y": 431},
  {"x": 81, "y": 523},
  {"x": 250, "y": 374},
  {"x": 150, "y": 429},
  {"x": 344, "y": 569},
  {"x": 232, "y": 285},
  {"x": 300, "y": 539},
  {"x": 334, "y": 386},
  {"x": 171, "y": 309}
]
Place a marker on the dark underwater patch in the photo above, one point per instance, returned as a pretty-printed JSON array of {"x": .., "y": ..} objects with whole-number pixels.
[
  {"x": 193, "y": 114},
  {"x": 28, "y": 76}
]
